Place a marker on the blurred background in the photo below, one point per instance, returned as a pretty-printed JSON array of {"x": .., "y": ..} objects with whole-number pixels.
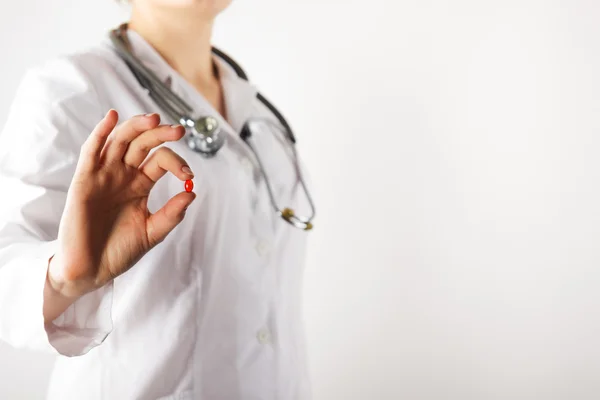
[{"x": 453, "y": 147}]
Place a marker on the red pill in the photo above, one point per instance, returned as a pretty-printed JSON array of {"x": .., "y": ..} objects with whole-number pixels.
[{"x": 189, "y": 185}]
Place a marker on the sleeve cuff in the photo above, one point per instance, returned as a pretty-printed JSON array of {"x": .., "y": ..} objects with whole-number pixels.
[{"x": 83, "y": 326}]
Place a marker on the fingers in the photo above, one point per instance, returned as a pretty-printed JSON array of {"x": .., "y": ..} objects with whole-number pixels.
[
  {"x": 165, "y": 160},
  {"x": 160, "y": 224},
  {"x": 122, "y": 135},
  {"x": 92, "y": 148},
  {"x": 142, "y": 145}
]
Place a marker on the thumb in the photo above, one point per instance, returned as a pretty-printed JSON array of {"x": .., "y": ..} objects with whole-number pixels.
[{"x": 161, "y": 223}]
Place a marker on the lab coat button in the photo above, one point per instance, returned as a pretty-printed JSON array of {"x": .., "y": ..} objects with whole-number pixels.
[
  {"x": 264, "y": 336},
  {"x": 247, "y": 164},
  {"x": 262, "y": 248}
]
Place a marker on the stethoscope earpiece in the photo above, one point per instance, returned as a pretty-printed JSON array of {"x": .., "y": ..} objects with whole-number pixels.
[{"x": 290, "y": 216}]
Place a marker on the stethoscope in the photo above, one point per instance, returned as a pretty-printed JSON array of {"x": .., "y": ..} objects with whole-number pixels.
[{"x": 204, "y": 135}]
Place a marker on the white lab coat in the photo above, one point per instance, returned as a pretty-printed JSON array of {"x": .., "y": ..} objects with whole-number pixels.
[{"x": 213, "y": 312}]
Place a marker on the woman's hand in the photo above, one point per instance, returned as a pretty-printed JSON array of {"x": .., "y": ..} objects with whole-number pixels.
[{"x": 106, "y": 226}]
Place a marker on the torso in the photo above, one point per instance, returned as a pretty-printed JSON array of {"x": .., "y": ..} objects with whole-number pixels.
[{"x": 214, "y": 312}]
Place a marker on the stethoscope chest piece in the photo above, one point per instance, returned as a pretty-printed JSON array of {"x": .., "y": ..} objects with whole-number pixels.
[{"x": 204, "y": 135}]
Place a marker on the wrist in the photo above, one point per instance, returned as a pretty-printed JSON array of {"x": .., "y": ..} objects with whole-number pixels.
[
  {"x": 58, "y": 284},
  {"x": 56, "y": 301}
]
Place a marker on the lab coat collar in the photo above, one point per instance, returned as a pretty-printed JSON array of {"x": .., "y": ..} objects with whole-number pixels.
[
  {"x": 150, "y": 57},
  {"x": 239, "y": 94}
]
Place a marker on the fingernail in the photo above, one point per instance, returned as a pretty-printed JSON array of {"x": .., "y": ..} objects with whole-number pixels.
[
  {"x": 175, "y": 126},
  {"x": 150, "y": 114},
  {"x": 187, "y": 170}
]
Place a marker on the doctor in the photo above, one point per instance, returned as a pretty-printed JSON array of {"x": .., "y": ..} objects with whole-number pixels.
[{"x": 145, "y": 290}]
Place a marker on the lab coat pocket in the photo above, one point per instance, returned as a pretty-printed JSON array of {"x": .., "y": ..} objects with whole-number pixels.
[{"x": 187, "y": 395}]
